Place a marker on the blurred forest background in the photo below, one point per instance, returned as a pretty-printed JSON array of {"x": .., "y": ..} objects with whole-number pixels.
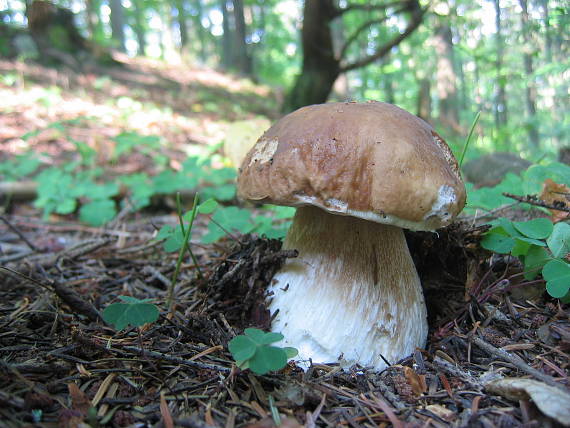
[
  {"x": 443, "y": 60},
  {"x": 144, "y": 97}
]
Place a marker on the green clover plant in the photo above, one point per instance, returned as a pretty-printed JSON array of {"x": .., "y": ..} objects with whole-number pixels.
[
  {"x": 541, "y": 246},
  {"x": 132, "y": 311},
  {"x": 253, "y": 350}
]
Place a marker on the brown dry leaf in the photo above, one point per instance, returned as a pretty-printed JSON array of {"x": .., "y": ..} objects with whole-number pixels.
[
  {"x": 416, "y": 381},
  {"x": 553, "y": 192},
  {"x": 551, "y": 401},
  {"x": 79, "y": 400},
  {"x": 165, "y": 412},
  {"x": 441, "y": 412}
]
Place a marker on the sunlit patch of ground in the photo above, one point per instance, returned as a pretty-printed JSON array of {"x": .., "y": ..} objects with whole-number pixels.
[{"x": 189, "y": 108}]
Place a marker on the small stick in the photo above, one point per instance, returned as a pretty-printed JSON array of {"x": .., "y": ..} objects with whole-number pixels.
[
  {"x": 66, "y": 294},
  {"x": 178, "y": 360},
  {"x": 516, "y": 361},
  {"x": 17, "y": 232},
  {"x": 533, "y": 200}
]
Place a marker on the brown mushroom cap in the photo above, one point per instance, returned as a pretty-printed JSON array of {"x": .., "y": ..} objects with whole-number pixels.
[{"x": 369, "y": 160}]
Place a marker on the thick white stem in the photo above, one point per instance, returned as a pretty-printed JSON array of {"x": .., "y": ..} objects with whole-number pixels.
[{"x": 353, "y": 295}]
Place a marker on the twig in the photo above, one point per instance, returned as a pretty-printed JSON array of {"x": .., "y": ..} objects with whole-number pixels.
[
  {"x": 17, "y": 232},
  {"x": 178, "y": 360},
  {"x": 516, "y": 361},
  {"x": 533, "y": 200},
  {"x": 66, "y": 294}
]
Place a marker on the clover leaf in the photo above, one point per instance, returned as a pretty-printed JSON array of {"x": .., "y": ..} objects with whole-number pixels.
[
  {"x": 252, "y": 350},
  {"x": 539, "y": 228},
  {"x": 557, "y": 276},
  {"x": 540, "y": 245},
  {"x": 559, "y": 241},
  {"x": 133, "y": 311}
]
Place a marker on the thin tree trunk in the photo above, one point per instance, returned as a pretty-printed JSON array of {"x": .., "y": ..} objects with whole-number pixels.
[
  {"x": 118, "y": 24},
  {"x": 547, "y": 30},
  {"x": 93, "y": 18},
  {"x": 446, "y": 78},
  {"x": 200, "y": 32},
  {"x": 227, "y": 36},
  {"x": 138, "y": 8},
  {"x": 182, "y": 25},
  {"x": 320, "y": 66},
  {"x": 424, "y": 99},
  {"x": 500, "y": 90},
  {"x": 533, "y": 134},
  {"x": 242, "y": 60}
]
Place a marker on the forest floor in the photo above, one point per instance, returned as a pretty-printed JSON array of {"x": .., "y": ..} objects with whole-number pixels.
[{"x": 498, "y": 348}]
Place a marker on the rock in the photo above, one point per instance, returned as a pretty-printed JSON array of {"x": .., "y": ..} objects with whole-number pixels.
[{"x": 490, "y": 169}]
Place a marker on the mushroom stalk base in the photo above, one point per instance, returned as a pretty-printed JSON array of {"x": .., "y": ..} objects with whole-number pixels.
[{"x": 352, "y": 296}]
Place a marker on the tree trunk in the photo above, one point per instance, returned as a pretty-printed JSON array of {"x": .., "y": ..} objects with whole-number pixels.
[
  {"x": 55, "y": 35},
  {"x": 320, "y": 66},
  {"x": 242, "y": 59},
  {"x": 446, "y": 79},
  {"x": 93, "y": 19},
  {"x": 500, "y": 90},
  {"x": 200, "y": 33},
  {"x": 182, "y": 26},
  {"x": 547, "y": 30},
  {"x": 138, "y": 6},
  {"x": 227, "y": 36},
  {"x": 424, "y": 100},
  {"x": 118, "y": 24},
  {"x": 528, "y": 49}
]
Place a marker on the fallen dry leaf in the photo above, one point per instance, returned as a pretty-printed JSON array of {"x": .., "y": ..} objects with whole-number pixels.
[
  {"x": 441, "y": 412},
  {"x": 416, "y": 381},
  {"x": 551, "y": 401},
  {"x": 165, "y": 412},
  {"x": 552, "y": 193},
  {"x": 79, "y": 401}
]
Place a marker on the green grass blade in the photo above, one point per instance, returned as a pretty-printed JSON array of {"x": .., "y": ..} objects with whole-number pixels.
[{"x": 468, "y": 140}]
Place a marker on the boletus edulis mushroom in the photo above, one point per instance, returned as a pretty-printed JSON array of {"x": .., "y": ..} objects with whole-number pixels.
[{"x": 358, "y": 173}]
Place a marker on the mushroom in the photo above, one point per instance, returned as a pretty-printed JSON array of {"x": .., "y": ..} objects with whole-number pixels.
[{"x": 358, "y": 173}]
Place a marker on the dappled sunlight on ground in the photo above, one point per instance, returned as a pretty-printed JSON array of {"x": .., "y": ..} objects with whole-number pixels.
[{"x": 46, "y": 111}]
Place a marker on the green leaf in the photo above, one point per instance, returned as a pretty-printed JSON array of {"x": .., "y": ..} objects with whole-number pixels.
[
  {"x": 557, "y": 276},
  {"x": 520, "y": 248},
  {"x": 538, "y": 228},
  {"x": 271, "y": 338},
  {"x": 233, "y": 219},
  {"x": 115, "y": 314},
  {"x": 207, "y": 207},
  {"x": 534, "y": 260},
  {"x": 535, "y": 176},
  {"x": 136, "y": 313},
  {"x": 252, "y": 350},
  {"x": 98, "y": 212},
  {"x": 291, "y": 352},
  {"x": 559, "y": 241},
  {"x": 497, "y": 242},
  {"x": 255, "y": 334},
  {"x": 268, "y": 358},
  {"x": 242, "y": 348},
  {"x": 175, "y": 240},
  {"x": 127, "y": 141}
]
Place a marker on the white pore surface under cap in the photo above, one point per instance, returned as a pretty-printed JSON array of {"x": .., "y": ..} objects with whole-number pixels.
[{"x": 352, "y": 295}]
